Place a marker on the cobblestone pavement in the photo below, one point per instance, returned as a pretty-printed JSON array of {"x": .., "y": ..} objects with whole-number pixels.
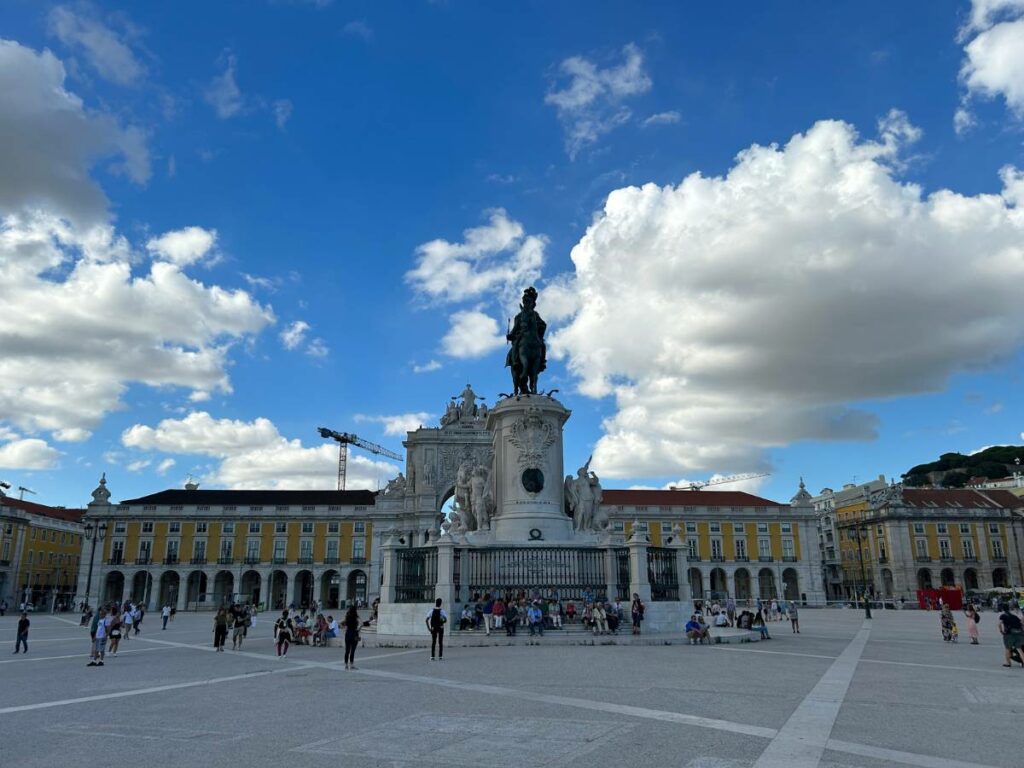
[{"x": 845, "y": 692}]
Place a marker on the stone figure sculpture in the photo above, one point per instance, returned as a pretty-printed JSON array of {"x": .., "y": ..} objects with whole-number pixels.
[
  {"x": 480, "y": 496},
  {"x": 463, "y": 494},
  {"x": 583, "y": 495},
  {"x": 396, "y": 486},
  {"x": 527, "y": 356}
]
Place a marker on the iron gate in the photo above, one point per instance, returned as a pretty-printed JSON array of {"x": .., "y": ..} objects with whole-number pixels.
[
  {"x": 661, "y": 572},
  {"x": 622, "y": 571},
  {"x": 574, "y": 573},
  {"x": 416, "y": 575}
]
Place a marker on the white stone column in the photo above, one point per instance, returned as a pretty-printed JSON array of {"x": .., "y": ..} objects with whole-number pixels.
[
  {"x": 445, "y": 587},
  {"x": 317, "y": 584},
  {"x": 638, "y": 581},
  {"x": 387, "y": 564},
  {"x": 611, "y": 571}
]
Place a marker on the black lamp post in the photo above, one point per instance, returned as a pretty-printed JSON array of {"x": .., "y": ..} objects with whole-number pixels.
[
  {"x": 94, "y": 534},
  {"x": 859, "y": 533}
]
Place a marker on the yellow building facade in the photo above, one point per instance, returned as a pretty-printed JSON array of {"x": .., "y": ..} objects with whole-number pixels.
[
  {"x": 40, "y": 551},
  {"x": 913, "y": 538}
]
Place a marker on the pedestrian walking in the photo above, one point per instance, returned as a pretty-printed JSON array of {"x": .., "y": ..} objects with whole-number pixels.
[
  {"x": 637, "y": 612},
  {"x": 352, "y": 624},
  {"x": 488, "y": 614},
  {"x": 115, "y": 631},
  {"x": 98, "y": 632},
  {"x": 220, "y": 630},
  {"x": 436, "y": 619},
  {"x": 3, "y": 608},
  {"x": 794, "y": 618},
  {"x": 238, "y": 630},
  {"x": 127, "y": 620},
  {"x": 21, "y": 638},
  {"x": 165, "y": 614},
  {"x": 283, "y": 633},
  {"x": 1012, "y": 630},
  {"x": 137, "y": 617},
  {"x": 972, "y": 623}
]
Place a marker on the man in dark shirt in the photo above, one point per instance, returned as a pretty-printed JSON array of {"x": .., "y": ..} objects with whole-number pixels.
[
  {"x": 1012, "y": 630},
  {"x": 22, "y": 641}
]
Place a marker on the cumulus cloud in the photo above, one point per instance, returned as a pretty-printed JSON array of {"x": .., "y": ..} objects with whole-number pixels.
[
  {"x": 223, "y": 93},
  {"x": 96, "y": 325},
  {"x": 294, "y": 334},
  {"x": 49, "y": 140},
  {"x": 359, "y": 29},
  {"x": 498, "y": 257},
  {"x": 164, "y": 466},
  {"x": 397, "y": 424},
  {"x": 731, "y": 315},
  {"x": 28, "y": 453},
  {"x": 254, "y": 454},
  {"x": 993, "y": 63},
  {"x": 183, "y": 246},
  {"x": 590, "y": 104},
  {"x": 472, "y": 333},
  {"x": 107, "y": 51}
]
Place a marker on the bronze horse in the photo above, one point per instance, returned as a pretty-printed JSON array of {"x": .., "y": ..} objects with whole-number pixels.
[{"x": 528, "y": 355}]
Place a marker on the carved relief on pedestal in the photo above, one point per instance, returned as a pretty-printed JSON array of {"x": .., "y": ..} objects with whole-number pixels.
[{"x": 532, "y": 436}]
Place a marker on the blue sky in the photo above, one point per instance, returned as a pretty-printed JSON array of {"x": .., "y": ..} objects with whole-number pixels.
[{"x": 836, "y": 306}]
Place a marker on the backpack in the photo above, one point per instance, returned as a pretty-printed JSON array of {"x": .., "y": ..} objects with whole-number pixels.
[{"x": 436, "y": 619}]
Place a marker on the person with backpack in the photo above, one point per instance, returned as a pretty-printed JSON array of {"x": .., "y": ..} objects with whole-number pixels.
[
  {"x": 21, "y": 639},
  {"x": 436, "y": 619},
  {"x": 115, "y": 631},
  {"x": 637, "y": 612},
  {"x": 283, "y": 633},
  {"x": 220, "y": 630},
  {"x": 127, "y": 620},
  {"x": 1012, "y": 630},
  {"x": 351, "y": 623},
  {"x": 165, "y": 614},
  {"x": 98, "y": 631}
]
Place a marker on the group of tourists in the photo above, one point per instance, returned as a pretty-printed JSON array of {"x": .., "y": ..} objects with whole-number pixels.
[
  {"x": 1010, "y": 623},
  {"x": 535, "y": 613},
  {"x": 109, "y": 626},
  {"x": 299, "y": 628}
]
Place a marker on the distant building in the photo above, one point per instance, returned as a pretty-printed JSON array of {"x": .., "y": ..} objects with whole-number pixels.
[
  {"x": 40, "y": 548},
  {"x": 828, "y": 536},
  {"x": 917, "y": 538}
]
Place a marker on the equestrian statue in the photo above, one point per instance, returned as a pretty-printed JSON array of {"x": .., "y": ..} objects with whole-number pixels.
[{"x": 527, "y": 356}]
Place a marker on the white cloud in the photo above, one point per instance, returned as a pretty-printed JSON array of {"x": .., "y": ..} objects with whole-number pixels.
[
  {"x": 663, "y": 118},
  {"x": 103, "y": 48},
  {"x": 591, "y": 104},
  {"x": 432, "y": 365},
  {"x": 497, "y": 257},
  {"x": 223, "y": 93},
  {"x": 96, "y": 325},
  {"x": 29, "y": 453},
  {"x": 72, "y": 435},
  {"x": 994, "y": 56},
  {"x": 164, "y": 466},
  {"x": 198, "y": 396},
  {"x": 294, "y": 334},
  {"x": 358, "y": 28},
  {"x": 183, "y": 246},
  {"x": 49, "y": 140},
  {"x": 282, "y": 112},
  {"x": 318, "y": 348},
  {"x": 255, "y": 455},
  {"x": 138, "y": 466},
  {"x": 732, "y": 315},
  {"x": 472, "y": 333},
  {"x": 397, "y": 424}
]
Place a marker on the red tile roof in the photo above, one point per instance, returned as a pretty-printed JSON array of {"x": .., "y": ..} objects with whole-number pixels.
[
  {"x": 58, "y": 513},
  {"x": 686, "y": 499},
  {"x": 964, "y": 497}
]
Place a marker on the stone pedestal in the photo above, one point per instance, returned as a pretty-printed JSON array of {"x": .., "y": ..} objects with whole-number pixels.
[{"x": 528, "y": 473}]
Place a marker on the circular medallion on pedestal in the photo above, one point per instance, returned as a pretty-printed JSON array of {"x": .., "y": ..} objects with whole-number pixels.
[{"x": 533, "y": 480}]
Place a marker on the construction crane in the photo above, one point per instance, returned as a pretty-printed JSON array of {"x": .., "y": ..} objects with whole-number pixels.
[
  {"x": 720, "y": 481},
  {"x": 344, "y": 440},
  {"x": 23, "y": 490}
]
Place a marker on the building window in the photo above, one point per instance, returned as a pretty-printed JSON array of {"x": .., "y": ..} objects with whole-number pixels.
[
  {"x": 787, "y": 548},
  {"x": 117, "y": 551},
  {"x": 229, "y": 508},
  {"x": 308, "y": 508},
  {"x": 30, "y": 555},
  {"x": 176, "y": 508},
  {"x": 307, "y": 527},
  {"x": 716, "y": 527},
  {"x": 332, "y": 527},
  {"x": 332, "y": 549},
  {"x": 227, "y": 549},
  {"x": 968, "y": 545},
  {"x": 764, "y": 547},
  {"x": 333, "y": 508},
  {"x": 255, "y": 509},
  {"x": 280, "y": 527},
  {"x": 358, "y": 549},
  {"x": 997, "y": 548},
  {"x": 306, "y": 548},
  {"x": 881, "y": 550},
  {"x": 149, "y": 508},
  {"x": 922, "y": 547},
  {"x": 147, "y": 527},
  {"x": 762, "y": 527},
  {"x": 787, "y": 527},
  {"x": 691, "y": 527},
  {"x": 918, "y": 527},
  {"x": 33, "y": 536},
  {"x": 120, "y": 526},
  {"x": 965, "y": 528},
  {"x": 145, "y": 551},
  {"x": 618, "y": 526},
  {"x": 172, "y": 549},
  {"x": 279, "y": 548},
  {"x": 741, "y": 549},
  {"x": 943, "y": 528},
  {"x": 282, "y": 509},
  {"x": 201, "y": 527},
  {"x": 360, "y": 528},
  {"x": 174, "y": 527},
  {"x": 7, "y": 551},
  {"x": 228, "y": 527},
  {"x": 691, "y": 547},
  {"x": 252, "y": 549},
  {"x": 203, "y": 508},
  {"x": 255, "y": 527},
  {"x": 666, "y": 529},
  {"x": 944, "y": 550},
  {"x": 643, "y": 526},
  {"x": 716, "y": 549},
  {"x": 993, "y": 527},
  {"x": 199, "y": 549}
]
